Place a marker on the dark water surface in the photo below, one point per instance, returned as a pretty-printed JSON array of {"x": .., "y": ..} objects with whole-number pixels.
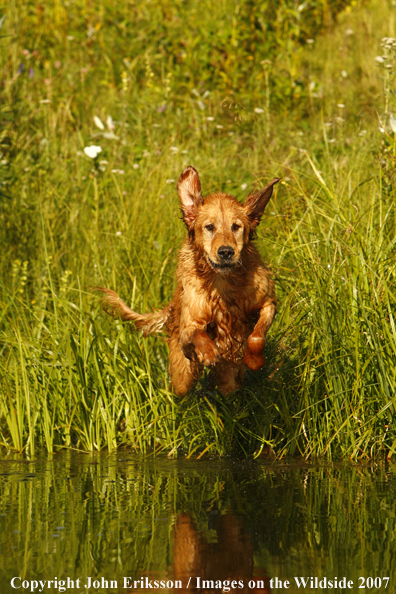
[{"x": 93, "y": 518}]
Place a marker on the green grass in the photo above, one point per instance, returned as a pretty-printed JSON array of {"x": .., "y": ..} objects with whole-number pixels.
[{"x": 183, "y": 92}]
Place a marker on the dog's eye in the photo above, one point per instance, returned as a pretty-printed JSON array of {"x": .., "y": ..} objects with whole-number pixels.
[
  {"x": 235, "y": 227},
  {"x": 209, "y": 227}
]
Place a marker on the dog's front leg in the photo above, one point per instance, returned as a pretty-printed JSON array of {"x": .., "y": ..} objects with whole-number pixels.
[
  {"x": 205, "y": 348},
  {"x": 197, "y": 341},
  {"x": 195, "y": 317},
  {"x": 254, "y": 357}
]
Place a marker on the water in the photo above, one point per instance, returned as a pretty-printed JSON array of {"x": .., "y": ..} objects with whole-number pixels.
[{"x": 107, "y": 521}]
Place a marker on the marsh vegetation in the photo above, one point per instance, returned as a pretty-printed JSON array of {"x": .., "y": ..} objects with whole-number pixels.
[{"x": 244, "y": 92}]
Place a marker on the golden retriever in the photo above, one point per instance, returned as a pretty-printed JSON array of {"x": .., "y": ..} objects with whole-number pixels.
[{"x": 224, "y": 302}]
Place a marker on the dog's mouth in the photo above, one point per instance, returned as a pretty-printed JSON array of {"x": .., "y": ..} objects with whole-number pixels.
[{"x": 223, "y": 267}]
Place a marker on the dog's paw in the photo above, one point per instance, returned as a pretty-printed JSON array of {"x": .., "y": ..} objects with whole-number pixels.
[
  {"x": 255, "y": 344},
  {"x": 207, "y": 353},
  {"x": 205, "y": 349},
  {"x": 253, "y": 361},
  {"x": 254, "y": 358}
]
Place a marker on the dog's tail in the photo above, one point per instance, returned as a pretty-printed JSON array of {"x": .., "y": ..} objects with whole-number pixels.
[{"x": 149, "y": 323}]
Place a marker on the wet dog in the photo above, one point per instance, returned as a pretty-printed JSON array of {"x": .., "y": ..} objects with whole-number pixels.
[{"x": 224, "y": 302}]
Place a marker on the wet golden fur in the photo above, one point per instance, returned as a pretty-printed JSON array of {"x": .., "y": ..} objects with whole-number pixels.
[{"x": 224, "y": 301}]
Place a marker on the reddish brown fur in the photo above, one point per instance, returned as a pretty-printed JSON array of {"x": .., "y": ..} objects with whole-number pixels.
[{"x": 224, "y": 301}]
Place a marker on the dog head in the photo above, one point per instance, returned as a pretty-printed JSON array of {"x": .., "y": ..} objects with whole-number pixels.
[{"x": 220, "y": 225}]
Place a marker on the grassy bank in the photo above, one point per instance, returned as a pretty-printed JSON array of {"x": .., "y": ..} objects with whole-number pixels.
[{"x": 299, "y": 97}]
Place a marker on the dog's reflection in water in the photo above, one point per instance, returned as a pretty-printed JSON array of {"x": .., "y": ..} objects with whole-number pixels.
[{"x": 229, "y": 559}]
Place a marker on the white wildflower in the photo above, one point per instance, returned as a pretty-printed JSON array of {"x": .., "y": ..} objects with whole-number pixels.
[
  {"x": 243, "y": 186},
  {"x": 258, "y": 110},
  {"x": 110, "y": 123},
  {"x": 99, "y": 123},
  {"x": 379, "y": 59},
  {"x": 170, "y": 181},
  {"x": 210, "y": 119},
  {"x": 110, "y": 136},
  {"x": 92, "y": 151},
  {"x": 118, "y": 233},
  {"x": 135, "y": 165},
  {"x": 174, "y": 150}
]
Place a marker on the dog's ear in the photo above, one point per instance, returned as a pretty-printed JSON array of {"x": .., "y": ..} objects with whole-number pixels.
[
  {"x": 189, "y": 189},
  {"x": 256, "y": 203}
]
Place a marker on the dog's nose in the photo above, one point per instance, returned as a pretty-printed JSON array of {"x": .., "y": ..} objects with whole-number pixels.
[{"x": 225, "y": 252}]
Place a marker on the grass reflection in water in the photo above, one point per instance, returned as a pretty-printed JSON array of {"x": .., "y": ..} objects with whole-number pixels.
[{"x": 116, "y": 517}]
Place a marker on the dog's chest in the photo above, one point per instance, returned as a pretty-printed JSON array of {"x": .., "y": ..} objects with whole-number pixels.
[{"x": 229, "y": 327}]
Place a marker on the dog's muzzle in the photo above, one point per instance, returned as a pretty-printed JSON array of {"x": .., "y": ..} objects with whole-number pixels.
[{"x": 223, "y": 267}]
